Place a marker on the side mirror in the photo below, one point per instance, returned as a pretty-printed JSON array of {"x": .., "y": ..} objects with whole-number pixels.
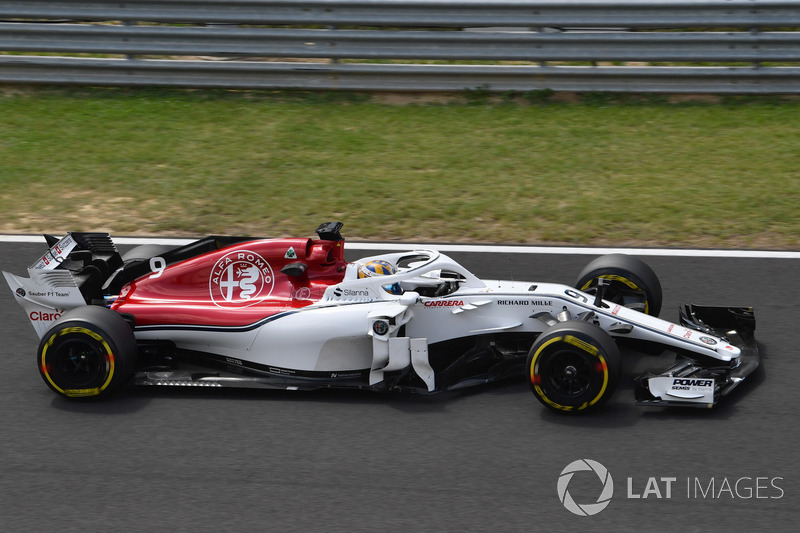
[
  {"x": 294, "y": 269},
  {"x": 409, "y": 298}
]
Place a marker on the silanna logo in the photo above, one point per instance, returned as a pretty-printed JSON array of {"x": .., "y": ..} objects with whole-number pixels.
[
  {"x": 240, "y": 278},
  {"x": 351, "y": 293}
]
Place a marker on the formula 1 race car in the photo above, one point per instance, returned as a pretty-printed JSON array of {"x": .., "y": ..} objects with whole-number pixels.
[{"x": 293, "y": 314}]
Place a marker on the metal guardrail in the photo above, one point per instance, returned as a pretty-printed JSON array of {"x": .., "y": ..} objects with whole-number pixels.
[
  {"x": 371, "y": 44},
  {"x": 236, "y": 29},
  {"x": 364, "y": 77},
  {"x": 421, "y": 13}
]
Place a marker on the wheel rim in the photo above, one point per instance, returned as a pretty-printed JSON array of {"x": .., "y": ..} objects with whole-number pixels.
[
  {"x": 78, "y": 364},
  {"x": 569, "y": 373}
]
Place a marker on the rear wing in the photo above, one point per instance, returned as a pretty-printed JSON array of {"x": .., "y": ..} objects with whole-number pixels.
[{"x": 70, "y": 274}]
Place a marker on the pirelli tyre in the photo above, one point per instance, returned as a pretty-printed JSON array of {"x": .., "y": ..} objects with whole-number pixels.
[
  {"x": 574, "y": 366},
  {"x": 630, "y": 282},
  {"x": 88, "y": 353}
]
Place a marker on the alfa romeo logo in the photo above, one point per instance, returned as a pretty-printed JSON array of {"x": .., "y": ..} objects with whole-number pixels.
[
  {"x": 240, "y": 278},
  {"x": 380, "y": 327},
  {"x": 587, "y": 509}
]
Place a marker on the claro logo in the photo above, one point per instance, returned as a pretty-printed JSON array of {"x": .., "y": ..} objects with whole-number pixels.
[{"x": 42, "y": 316}]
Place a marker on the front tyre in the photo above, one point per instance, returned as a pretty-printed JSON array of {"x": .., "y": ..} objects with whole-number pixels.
[
  {"x": 573, "y": 366},
  {"x": 88, "y": 353},
  {"x": 630, "y": 282}
]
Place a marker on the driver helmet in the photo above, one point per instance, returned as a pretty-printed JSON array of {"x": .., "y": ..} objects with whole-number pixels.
[
  {"x": 379, "y": 267},
  {"x": 376, "y": 267}
]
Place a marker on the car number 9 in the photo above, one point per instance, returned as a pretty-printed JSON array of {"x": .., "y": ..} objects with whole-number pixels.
[{"x": 157, "y": 265}]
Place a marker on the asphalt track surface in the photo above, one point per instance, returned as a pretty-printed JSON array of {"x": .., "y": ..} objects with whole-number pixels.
[{"x": 484, "y": 460}]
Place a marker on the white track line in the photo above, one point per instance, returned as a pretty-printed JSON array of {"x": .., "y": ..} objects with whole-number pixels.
[
  {"x": 474, "y": 248},
  {"x": 571, "y": 250}
]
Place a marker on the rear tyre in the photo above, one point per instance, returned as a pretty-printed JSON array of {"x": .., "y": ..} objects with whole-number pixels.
[
  {"x": 573, "y": 366},
  {"x": 631, "y": 282},
  {"x": 88, "y": 353}
]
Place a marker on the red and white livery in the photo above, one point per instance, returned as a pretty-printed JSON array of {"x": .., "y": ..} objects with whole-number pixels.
[{"x": 294, "y": 314}]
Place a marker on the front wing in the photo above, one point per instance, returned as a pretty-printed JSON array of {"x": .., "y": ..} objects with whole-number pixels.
[{"x": 697, "y": 381}]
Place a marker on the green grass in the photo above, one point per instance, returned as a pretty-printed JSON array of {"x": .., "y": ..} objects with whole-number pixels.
[{"x": 521, "y": 169}]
